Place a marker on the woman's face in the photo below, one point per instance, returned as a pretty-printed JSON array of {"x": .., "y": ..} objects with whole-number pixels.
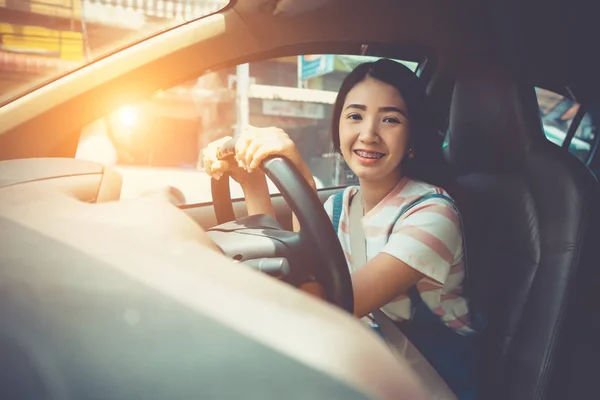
[{"x": 374, "y": 130}]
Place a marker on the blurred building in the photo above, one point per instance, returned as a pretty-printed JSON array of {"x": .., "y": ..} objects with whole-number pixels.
[{"x": 41, "y": 38}]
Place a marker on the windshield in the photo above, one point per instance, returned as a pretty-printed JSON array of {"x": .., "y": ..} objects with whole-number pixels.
[{"x": 42, "y": 39}]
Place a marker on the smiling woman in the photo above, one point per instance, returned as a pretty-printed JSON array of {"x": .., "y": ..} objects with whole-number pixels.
[{"x": 400, "y": 234}]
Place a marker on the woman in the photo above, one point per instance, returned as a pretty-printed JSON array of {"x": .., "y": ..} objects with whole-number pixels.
[{"x": 412, "y": 266}]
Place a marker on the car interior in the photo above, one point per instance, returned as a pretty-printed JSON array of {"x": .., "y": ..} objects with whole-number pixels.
[{"x": 531, "y": 213}]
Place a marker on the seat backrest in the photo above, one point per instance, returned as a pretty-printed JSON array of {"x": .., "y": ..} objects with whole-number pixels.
[{"x": 526, "y": 205}]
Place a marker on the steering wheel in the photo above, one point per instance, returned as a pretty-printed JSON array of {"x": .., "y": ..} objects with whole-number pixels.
[{"x": 260, "y": 242}]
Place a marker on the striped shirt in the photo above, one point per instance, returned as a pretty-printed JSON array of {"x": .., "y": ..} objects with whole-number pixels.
[{"x": 427, "y": 238}]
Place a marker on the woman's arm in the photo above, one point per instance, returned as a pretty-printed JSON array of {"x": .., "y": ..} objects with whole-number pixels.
[
  {"x": 380, "y": 281},
  {"x": 257, "y": 196},
  {"x": 255, "y": 145},
  {"x": 424, "y": 243}
]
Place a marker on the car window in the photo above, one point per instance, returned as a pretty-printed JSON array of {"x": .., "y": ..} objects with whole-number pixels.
[
  {"x": 557, "y": 113},
  {"x": 41, "y": 40},
  {"x": 159, "y": 142}
]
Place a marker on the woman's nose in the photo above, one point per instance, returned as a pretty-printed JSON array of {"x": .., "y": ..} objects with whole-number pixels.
[{"x": 369, "y": 133}]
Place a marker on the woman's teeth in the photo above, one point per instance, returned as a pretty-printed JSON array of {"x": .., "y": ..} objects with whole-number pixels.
[{"x": 368, "y": 154}]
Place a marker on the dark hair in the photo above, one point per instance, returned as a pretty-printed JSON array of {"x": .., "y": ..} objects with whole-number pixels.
[{"x": 428, "y": 162}]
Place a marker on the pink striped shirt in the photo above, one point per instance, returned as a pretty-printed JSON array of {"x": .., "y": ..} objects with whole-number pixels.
[{"x": 427, "y": 238}]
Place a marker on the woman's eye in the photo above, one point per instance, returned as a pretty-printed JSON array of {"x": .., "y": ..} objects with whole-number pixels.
[
  {"x": 391, "y": 120},
  {"x": 355, "y": 117}
]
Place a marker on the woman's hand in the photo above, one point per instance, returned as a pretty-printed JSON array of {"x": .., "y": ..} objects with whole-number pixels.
[
  {"x": 256, "y": 144},
  {"x": 215, "y": 168},
  {"x": 252, "y": 147}
]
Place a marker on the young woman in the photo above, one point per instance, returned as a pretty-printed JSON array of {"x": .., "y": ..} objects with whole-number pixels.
[{"x": 413, "y": 268}]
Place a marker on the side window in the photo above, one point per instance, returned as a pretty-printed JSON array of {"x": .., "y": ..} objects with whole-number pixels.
[
  {"x": 558, "y": 113},
  {"x": 158, "y": 142}
]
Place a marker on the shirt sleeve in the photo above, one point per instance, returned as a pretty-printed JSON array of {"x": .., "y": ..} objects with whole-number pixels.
[{"x": 428, "y": 238}]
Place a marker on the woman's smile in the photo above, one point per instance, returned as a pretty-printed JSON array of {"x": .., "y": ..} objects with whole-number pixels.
[{"x": 368, "y": 157}]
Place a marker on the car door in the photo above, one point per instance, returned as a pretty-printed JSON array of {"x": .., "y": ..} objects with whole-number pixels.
[{"x": 157, "y": 143}]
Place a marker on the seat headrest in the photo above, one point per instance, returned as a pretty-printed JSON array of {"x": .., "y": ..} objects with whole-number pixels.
[{"x": 493, "y": 122}]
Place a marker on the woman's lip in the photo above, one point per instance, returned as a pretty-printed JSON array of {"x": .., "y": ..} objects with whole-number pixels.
[
  {"x": 368, "y": 151},
  {"x": 367, "y": 161}
]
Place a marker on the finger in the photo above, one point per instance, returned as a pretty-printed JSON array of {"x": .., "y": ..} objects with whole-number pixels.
[
  {"x": 219, "y": 166},
  {"x": 210, "y": 151},
  {"x": 214, "y": 167},
  {"x": 259, "y": 156},
  {"x": 225, "y": 150},
  {"x": 240, "y": 149},
  {"x": 207, "y": 162},
  {"x": 223, "y": 153},
  {"x": 256, "y": 144},
  {"x": 213, "y": 149}
]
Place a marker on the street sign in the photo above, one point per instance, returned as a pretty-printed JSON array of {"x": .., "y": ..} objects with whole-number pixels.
[{"x": 310, "y": 66}]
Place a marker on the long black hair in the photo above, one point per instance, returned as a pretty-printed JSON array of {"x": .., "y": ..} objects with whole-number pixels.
[{"x": 427, "y": 163}]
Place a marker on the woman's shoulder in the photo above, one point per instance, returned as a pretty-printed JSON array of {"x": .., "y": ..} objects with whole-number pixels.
[
  {"x": 415, "y": 189},
  {"x": 415, "y": 195}
]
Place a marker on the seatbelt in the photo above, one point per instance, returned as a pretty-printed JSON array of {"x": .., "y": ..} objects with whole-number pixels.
[
  {"x": 399, "y": 344},
  {"x": 358, "y": 246}
]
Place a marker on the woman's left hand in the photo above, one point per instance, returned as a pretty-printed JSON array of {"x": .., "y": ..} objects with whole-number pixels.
[{"x": 256, "y": 144}]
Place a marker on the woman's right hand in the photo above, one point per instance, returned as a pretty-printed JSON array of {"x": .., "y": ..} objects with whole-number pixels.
[{"x": 216, "y": 168}]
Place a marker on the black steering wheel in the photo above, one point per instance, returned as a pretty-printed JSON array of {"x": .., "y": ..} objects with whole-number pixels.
[{"x": 262, "y": 243}]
